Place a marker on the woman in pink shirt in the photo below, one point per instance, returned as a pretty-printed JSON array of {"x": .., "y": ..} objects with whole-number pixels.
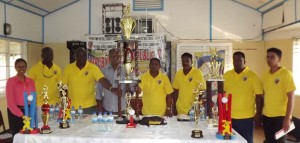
[{"x": 15, "y": 88}]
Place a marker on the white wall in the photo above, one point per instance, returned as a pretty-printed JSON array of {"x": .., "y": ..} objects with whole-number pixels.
[
  {"x": 291, "y": 10},
  {"x": 24, "y": 25},
  {"x": 184, "y": 19},
  {"x": 234, "y": 21},
  {"x": 1, "y": 17}
]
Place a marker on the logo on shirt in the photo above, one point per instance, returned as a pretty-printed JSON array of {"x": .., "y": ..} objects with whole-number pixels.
[
  {"x": 245, "y": 78},
  {"x": 190, "y": 79},
  {"x": 86, "y": 73},
  {"x": 159, "y": 81},
  {"x": 277, "y": 80},
  {"x": 55, "y": 72}
]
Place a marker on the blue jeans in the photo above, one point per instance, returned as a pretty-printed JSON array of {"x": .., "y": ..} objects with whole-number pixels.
[{"x": 244, "y": 127}]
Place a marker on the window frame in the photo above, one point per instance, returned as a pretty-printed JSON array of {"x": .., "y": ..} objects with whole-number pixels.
[{"x": 23, "y": 54}]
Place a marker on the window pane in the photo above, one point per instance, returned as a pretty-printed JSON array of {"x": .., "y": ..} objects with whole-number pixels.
[
  {"x": 15, "y": 48},
  {"x": 2, "y": 86},
  {"x": 12, "y": 71},
  {"x": 2, "y": 46},
  {"x": 13, "y": 58},
  {"x": 2, "y": 60},
  {"x": 2, "y": 73}
]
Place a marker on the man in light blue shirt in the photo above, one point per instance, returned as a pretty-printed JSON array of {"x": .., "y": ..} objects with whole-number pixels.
[{"x": 106, "y": 100}]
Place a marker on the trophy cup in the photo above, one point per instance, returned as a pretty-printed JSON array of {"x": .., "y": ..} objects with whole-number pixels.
[
  {"x": 213, "y": 122},
  {"x": 45, "y": 108},
  {"x": 127, "y": 23},
  {"x": 214, "y": 80},
  {"x": 64, "y": 104},
  {"x": 197, "y": 133}
]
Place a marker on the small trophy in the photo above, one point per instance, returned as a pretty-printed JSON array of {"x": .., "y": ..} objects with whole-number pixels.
[
  {"x": 197, "y": 133},
  {"x": 127, "y": 23},
  {"x": 45, "y": 108},
  {"x": 128, "y": 106},
  {"x": 213, "y": 122},
  {"x": 64, "y": 105},
  {"x": 30, "y": 114}
]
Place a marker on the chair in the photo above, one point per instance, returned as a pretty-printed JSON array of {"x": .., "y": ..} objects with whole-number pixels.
[{"x": 5, "y": 135}]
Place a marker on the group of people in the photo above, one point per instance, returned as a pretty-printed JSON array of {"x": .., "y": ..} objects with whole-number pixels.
[{"x": 270, "y": 98}]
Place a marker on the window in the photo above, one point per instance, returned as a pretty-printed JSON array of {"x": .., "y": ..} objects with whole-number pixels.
[
  {"x": 9, "y": 52},
  {"x": 148, "y": 5},
  {"x": 296, "y": 69}
]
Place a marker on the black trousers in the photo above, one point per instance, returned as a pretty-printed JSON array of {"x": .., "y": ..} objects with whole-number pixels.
[
  {"x": 271, "y": 126},
  {"x": 15, "y": 122}
]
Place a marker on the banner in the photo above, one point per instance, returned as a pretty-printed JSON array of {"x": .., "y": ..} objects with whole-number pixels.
[{"x": 148, "y": 47}]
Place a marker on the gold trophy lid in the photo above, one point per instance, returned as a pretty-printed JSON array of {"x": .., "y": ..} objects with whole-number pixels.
[
  {"x": 215, "y": 67},
  {"x": 128, "y": 23}
]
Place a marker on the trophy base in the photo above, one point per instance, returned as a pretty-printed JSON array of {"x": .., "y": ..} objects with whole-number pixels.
[
  {"x": 124, "y": 120},
  {"x": 33, "y": 131},
  {"x": 64, "y": 125},
  {"x": 197, "y": 134},
  {"x": 226, "y": 137},
  {"x": 131, "y": 125},
  {"x": 45, "y": 130}
]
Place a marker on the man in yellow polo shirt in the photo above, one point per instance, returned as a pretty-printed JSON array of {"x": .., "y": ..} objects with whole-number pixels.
[
  {"x": 45, "y": 72},
  {"x": 157, "y": 91},
  {"x": 80, "y": 77},
  {"x": 279, "y": 87},
  {"x": 246, "y": 90},
  {"x": 184, "y": 83}
]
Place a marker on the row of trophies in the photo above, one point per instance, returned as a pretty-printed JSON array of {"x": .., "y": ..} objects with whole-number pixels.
[{"x": 30, "y": 117}]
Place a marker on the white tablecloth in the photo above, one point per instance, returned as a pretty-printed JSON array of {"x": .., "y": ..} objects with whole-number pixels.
[{"x": 84, "y": 132}]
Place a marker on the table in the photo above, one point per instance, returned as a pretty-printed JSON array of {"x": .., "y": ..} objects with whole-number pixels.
[{"x": 84, "y": 132}]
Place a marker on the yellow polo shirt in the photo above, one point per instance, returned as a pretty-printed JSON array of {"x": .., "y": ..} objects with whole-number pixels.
[
  {"x": 276, "y": 86},
  {"x": 243, "y": 87},
  {"x": 42, "y": 75},
  {"x": 186, "y": 85},
  {"x": 81, "y": 84},
  {"x": 155, "y": 91}
]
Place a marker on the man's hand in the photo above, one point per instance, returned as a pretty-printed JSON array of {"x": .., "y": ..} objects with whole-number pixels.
[
  {"x": 116, "y": 91},
  {"x": 286, "y": 124}
]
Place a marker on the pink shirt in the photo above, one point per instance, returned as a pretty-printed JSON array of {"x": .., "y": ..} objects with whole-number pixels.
[{"x": 15, "y": 89}]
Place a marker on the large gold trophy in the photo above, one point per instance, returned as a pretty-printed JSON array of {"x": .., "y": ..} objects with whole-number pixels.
[
  {"x": 45, "y": 108},
  {"x": 199, "y": 90},
  {"x": 64, "y": 105},
  {"x": 127, "y": 23}
]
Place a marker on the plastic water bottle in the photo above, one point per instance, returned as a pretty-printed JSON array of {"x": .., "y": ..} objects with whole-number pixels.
[
  {"x": 94, "y": 121},
  {"x": 80, "y": 112},
  {"x": 192, "y": 116},
  {"x": 105, "y": 124},
  {"x": 73, "y": 112},
  {"x": 100, "y": 121},
  {"x": 110, "y": 122},
  {"x": 51, "y": 112}
]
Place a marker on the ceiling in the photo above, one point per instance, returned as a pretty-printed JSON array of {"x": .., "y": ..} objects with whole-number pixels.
[
  {"x": 45, "y": 7},
  {"x": 40, "y": 7},
  {"x": 262, "y": 6}
]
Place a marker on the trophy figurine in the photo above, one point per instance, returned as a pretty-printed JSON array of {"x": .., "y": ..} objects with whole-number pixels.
[
  {"x": 197, "y": 133},
  {"x": 45, "y": 115},
  {"x": 127, "y": 23},
  {"x": 128, "y": 106},
  {"x": 128, "y": 70},
  {"x": 64, "y": 104}
]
